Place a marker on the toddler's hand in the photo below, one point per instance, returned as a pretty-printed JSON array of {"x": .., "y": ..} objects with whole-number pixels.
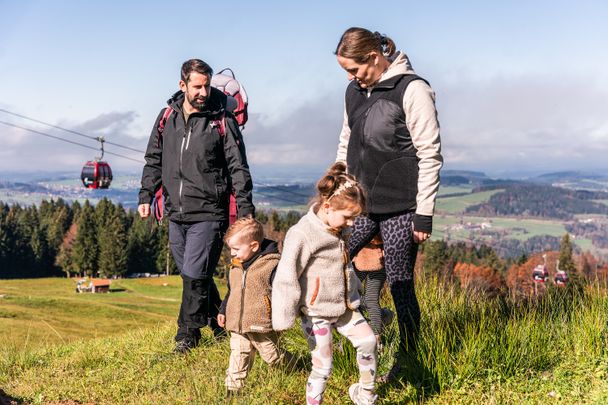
[{"x": 221, "y": 320}]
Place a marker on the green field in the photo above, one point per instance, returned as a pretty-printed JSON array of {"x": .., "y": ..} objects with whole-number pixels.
[
  {"x": 40, "y": 312},
  {"x": 446, "y": 190},
  {"x": 456, "y": 205},
  {"x": 116, "y": 348}
]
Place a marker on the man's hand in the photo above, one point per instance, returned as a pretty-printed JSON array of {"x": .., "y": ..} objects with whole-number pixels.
[
  {"x": 420, "y": 237},
  {"x": 221, "y": 320},
  {"x": 144, "y": 210}
]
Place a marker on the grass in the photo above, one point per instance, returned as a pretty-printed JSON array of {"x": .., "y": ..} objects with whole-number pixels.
[{"x": 472, "y": 350}]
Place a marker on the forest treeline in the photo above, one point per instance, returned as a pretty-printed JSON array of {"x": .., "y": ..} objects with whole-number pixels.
[
  {"x": 535, "y": 200},
  {"x": 105, "y": 240}
]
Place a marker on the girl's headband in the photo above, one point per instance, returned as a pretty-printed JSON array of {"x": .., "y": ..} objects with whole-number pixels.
[{"x": 342, "y": 187}]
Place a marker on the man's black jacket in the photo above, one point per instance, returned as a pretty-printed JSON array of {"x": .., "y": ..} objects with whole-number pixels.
[{"x": 197, "y": 165}]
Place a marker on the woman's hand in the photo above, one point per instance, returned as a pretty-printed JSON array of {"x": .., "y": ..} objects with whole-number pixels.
[
  {"x": 221, "y": 320},
  {"x": 420, "y": 237}
]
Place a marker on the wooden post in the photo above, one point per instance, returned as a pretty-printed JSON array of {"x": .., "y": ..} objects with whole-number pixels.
[{"x": 167, "y": 259}]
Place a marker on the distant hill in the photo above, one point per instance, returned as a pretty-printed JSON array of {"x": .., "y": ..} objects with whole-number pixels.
[
  {"x": 279, "y": 191},
  {"x": 462, "y": 177},
  {"x": 574, "y": 180},
  {"x": 542, "y": 201}
]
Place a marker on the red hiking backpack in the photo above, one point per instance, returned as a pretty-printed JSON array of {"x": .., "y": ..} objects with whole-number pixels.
[
  {"x": 237, "y": 103},
  {"x": 237, "y": 96}
]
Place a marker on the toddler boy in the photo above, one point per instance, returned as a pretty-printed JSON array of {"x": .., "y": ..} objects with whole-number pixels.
[{"x": 246, "y": 309}]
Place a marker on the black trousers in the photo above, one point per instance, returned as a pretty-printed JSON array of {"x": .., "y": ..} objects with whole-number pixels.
[{"x": 196, "y": 248}]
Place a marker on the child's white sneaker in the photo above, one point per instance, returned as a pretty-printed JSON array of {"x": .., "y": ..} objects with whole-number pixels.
[{"x": 360, "y": 396}]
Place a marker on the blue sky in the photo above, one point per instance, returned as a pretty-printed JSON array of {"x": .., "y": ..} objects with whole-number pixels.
[{"x": 521, "y": 86}]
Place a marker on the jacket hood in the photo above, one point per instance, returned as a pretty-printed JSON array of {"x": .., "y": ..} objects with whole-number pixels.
[
  {"x": 268, "y": 247},
  {"x": 215, "y": 104},
  {"x": 400, "y": 65}
]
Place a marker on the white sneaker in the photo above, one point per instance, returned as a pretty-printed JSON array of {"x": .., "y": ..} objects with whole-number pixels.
[{"x": 360, "y": 396}]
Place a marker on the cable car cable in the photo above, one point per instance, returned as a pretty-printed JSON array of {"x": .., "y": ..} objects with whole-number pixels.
[
  {"x": 280, "y": 188},
  {"x": 66, "y": 140},
  {"x": 68, "y": 130}
]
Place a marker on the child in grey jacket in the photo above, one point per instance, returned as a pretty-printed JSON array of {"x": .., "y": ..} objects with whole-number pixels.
[{"x": 313, "y": 281}]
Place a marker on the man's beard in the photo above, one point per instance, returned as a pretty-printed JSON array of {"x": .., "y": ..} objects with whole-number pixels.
[{"x": 197, "y": 104}]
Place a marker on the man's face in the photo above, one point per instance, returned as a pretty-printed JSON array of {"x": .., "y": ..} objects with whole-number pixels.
[{"x": 196, "y": 89}]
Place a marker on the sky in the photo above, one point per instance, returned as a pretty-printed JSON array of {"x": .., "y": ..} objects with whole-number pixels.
[{"x": 521, "y": 86}]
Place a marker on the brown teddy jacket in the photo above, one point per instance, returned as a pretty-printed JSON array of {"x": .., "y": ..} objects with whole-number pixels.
[{"x": 247, "y": 304}]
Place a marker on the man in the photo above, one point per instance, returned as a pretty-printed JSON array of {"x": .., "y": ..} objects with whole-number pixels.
[{"x": 198, "y": 158}]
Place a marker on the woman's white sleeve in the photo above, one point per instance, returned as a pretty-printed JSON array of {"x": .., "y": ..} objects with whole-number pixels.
[
  {"x": 423, "y": 125},
  {"x": 344, "y": 137}
]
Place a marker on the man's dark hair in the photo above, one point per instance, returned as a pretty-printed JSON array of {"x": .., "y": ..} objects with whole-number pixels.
[{"x": 195, "y": 65}]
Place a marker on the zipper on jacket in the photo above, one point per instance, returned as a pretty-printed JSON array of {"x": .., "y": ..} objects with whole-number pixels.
[
  {"x": 344, "y": 272},
  {"x": 181, "y": 159},
  {"x": 181, "y": 177},
  {"x": 242, "y": 300},
  {"x": 188, "y": 137}
]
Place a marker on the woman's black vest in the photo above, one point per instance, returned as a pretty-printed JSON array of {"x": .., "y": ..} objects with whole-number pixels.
[{"x": 380, "y": 153}]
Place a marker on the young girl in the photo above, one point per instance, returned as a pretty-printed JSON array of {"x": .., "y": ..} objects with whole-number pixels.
[{"x": 313, "y": 281}]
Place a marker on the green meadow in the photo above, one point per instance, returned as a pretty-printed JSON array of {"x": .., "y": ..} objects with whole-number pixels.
[{"x": 59, "y": 346}]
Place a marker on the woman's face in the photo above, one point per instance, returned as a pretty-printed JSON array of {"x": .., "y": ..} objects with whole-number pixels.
[{"x": 366, "y": 74}]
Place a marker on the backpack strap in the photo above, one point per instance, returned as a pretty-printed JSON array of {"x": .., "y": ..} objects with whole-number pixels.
[
  {"x": 220, "y": 125},
  {"x": 158, "y": 204},
  {"x": 161, "y": 124}
]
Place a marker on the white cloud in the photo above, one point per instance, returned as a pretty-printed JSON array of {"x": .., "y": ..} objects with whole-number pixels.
[{"x": 529, "y": 121}]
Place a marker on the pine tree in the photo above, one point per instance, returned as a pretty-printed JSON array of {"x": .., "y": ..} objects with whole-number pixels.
[
  {"x": 84, "y": 252},
  {"x": 5, "y": 241},
  {"x": 113, "y": 245},
  {"x": 566, "y": 262},
  {"x": 57, "y": 228},
  {"x": 76, "y": 210},
  {"x": 164, "y": 259},
  {"x": 142, "y": 247},
  {"x": 35, "y": 258},
  {"x": 103, "y": 213},
  {"x": 435, "y": 257}
]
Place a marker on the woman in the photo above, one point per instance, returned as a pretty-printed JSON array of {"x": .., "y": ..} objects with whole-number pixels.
[{"x": 390, "y": 143}]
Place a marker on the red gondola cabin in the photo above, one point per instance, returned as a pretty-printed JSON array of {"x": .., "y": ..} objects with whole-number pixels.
[
  {"x": 540, "y": 274},
  {"x": 96, "y": 174}
]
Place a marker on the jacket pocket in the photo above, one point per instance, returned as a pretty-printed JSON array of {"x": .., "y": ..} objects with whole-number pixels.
[
  {"x": 268, "y": 306},
  {"x": 315, "y": 292},
  {"x": 396, "y": 183},
  {"x": 221, "y": 191}
]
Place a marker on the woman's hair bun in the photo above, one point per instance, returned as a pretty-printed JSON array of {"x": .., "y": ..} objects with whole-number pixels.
[{"x": 337, "y": 169}]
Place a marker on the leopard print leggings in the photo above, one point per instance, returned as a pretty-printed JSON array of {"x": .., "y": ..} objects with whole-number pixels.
[{"x": 399, "y": 259}]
